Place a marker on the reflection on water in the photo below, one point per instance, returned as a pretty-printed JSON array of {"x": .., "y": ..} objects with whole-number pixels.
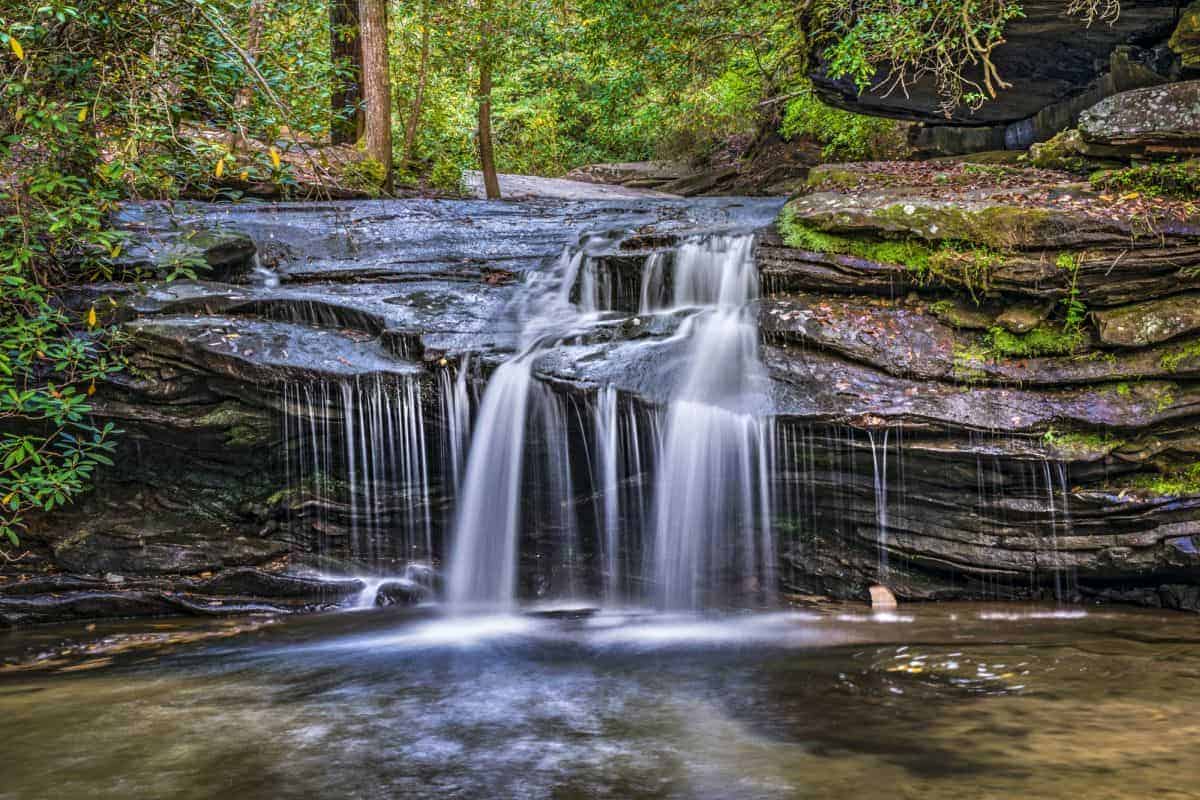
[{"x": 944, "y": 701}]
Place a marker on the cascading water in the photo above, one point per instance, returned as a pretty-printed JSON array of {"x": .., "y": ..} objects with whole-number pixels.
[
  {"x": 483, "y": 563},
  {"x": 708, "y": 524},
  {"x": 711, "y": 518}
]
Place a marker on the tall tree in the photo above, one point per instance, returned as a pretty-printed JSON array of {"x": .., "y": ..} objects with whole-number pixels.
[
  {"x": 377, "y": 85},
  {"x": 256, "y": 20},
  {"x": 487, "y": 153},
  {"x": 345, "y": 56}
]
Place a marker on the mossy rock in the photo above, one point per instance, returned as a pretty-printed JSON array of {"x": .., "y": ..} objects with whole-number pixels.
[
  {"x": 1062, "y": 152},
  {"x": 962, "y": 315},
  {"x": 1185, "y": 41},
  {"x": 1172, "y": 179},
  {"x": 1023, "y": 317}
]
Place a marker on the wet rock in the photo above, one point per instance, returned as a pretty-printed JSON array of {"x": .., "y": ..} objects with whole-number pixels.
[
  {"x": 1144, "y": 324},
  {"x": 250, "y": 582},
  {"x": 215, "y": 253},
  {"x": 399, "y": 593}
]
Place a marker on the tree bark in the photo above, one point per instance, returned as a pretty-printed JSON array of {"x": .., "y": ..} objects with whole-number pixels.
[
  {"x": 345, "y": 92},
  {"x": 487, "y": 155},
  {"x": 418, "y": 102},
  {"x": 377, "y": 86}
]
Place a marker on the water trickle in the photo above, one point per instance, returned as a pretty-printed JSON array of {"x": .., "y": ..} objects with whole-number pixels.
[
  {"x": 879, "y": 454},
  {"x": 358, "y": 471}
]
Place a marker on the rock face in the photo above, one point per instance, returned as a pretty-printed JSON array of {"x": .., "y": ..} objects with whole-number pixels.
[
  {"x": 984, "y": 383},
  {"x": 1099, "y": 412}
]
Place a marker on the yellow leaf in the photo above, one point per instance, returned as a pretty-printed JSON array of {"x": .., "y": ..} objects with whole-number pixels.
[
  {"x": 244, "y": 175},
  {"x": 7, "y": 498},
  {"x": 91, "y": 390},
  {"x": 116, "y": 251},
  {"x": 1130, "y": 196},
  {"x": 219, "y": 170},
  {"x": 275, "y": 157},
  {"x": 82, "y": 114},
  {"x": 18, "y": 51},
  {"x": 91, "y": 318}
]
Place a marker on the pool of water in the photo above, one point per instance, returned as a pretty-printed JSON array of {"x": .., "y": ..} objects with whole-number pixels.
[{"x": 938, "y": 701}]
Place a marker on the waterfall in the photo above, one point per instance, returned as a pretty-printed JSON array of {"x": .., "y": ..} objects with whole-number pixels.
[
  {"x": 711, "y": 517},
  {"x": 487, "y": 527},
  {"x": 707, "y": 526}
]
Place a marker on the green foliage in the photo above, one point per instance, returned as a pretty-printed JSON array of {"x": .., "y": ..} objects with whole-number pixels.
[
  {"x": 1075, "y": 310},
  {"x": 446, "y": 175},
  {"x": 843, "y": 136},
  {"x": 52, "y": 231},
  {"x": 366, "y": 175}
]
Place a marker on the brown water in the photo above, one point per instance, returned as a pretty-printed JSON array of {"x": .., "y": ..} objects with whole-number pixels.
[{"x": 940, "y": 701}]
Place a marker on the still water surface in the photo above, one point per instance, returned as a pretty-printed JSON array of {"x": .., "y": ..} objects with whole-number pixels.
[{"x": 939, "y": 701}]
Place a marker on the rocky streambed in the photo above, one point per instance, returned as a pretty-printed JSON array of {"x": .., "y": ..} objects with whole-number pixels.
[{"x": 983, "y": 383}]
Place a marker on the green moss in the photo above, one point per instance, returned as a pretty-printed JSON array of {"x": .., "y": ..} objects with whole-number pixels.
[
  {"x": 1000, "y": 227},
  {"x": 1181, "y": 180},
  {"x": 1165, "y": 399},
  {"x": 950, "y": 262},
  {"x": 905, "y": 253},
  {"x": 969, "y": 361},
  {"x": 1123, "y": 390},
  {"x": 1175, "y": 483},
  {"x": 1082, "y": 443},
  {"x": 1042, "y": 341},
  {"x": 1172, "y": 360},
  {"x": 827, "y": 176}
]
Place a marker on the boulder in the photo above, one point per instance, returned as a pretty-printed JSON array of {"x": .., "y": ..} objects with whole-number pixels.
[
  {"x": 1144, "y": 324},
  {"x": 1156, "y": 121}
]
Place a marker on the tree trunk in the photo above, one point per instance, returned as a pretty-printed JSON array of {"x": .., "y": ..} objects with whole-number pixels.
[
  {"x": 418, "y": 102},
  {"x": 255, "y": 22},
  {"x": 345, "y": 91},
  {"x": 487, "y": 156},
  {"x": 377, "y": 87}
]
